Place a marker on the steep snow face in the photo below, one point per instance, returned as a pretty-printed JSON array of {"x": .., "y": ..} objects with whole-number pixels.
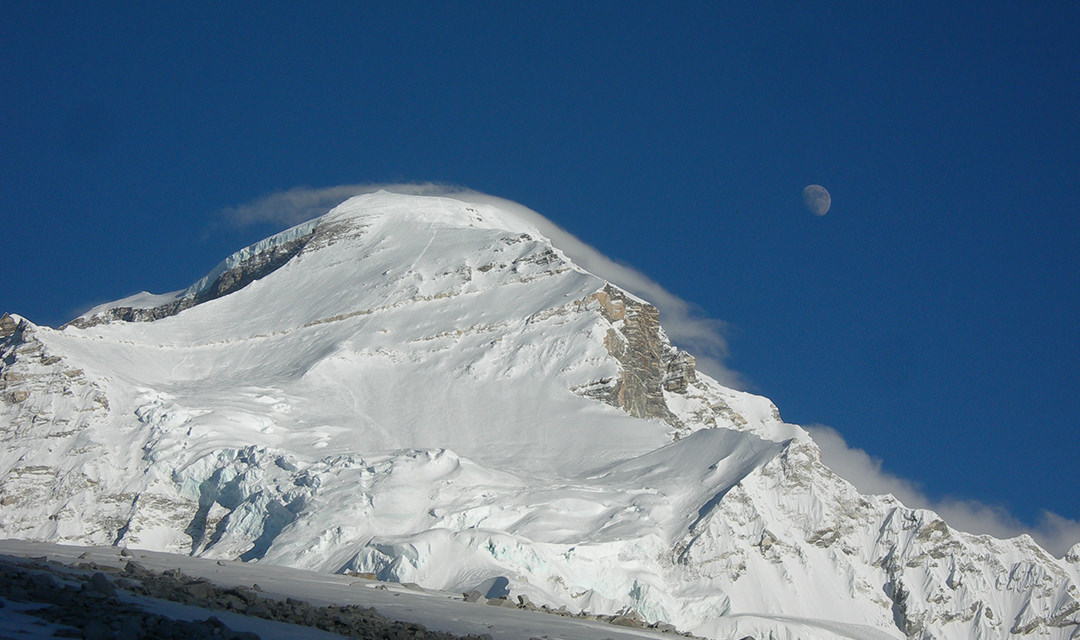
[{"x": 427, "y": 389}]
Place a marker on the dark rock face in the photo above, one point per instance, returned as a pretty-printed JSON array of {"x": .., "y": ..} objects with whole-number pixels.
[
  {"x": 650, "y": 363},
  {"x": 8, "y": 326},
  {"x": 253, "y": 268},
  {"x": 17, "y": 344}
]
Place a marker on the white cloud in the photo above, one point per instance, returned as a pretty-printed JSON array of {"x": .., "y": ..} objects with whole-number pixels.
[
  {"x": 684, "y": 323},
  {"x": 1054, "y": 533},
  {"x": 293, "y": 206}
]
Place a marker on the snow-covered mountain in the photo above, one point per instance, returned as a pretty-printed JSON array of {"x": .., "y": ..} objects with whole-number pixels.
[{"x": 426, "y": 389}]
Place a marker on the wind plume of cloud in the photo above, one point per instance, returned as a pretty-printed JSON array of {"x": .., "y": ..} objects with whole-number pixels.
[
  {"x": 298, "y": 204},
  {"x": 684, "y": 322},
  {"x": 1052, "y": 532}
]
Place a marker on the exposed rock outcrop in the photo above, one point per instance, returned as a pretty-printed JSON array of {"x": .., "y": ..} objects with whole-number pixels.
[
  {"x": 650, "y": 363},
  {"x": 8, "y": 326},
  {"x": 256, "y": 266}
]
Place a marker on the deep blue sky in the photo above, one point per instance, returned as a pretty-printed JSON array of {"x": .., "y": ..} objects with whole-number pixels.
[{"x": 930, "y": 317}]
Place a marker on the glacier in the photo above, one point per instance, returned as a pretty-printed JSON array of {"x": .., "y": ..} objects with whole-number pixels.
[{"x": 426, "y": 389}]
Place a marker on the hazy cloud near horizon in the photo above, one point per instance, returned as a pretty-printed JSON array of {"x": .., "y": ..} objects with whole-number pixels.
[{"x": 1054, "y": 533}]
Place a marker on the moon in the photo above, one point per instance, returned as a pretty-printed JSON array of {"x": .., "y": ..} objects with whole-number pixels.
[{"x": 817, "y": 199}]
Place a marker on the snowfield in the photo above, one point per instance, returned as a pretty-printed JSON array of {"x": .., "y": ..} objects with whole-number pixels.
[{"x": 427, "y": 390}]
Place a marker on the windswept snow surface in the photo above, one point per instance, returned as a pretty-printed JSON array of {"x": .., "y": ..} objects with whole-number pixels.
[{"x": 428, "y": 390}]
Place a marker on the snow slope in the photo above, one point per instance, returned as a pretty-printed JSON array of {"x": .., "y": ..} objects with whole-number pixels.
[{"x": 426, "y": 389}]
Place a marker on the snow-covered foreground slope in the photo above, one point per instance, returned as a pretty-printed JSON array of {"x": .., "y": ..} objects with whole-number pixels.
[
  {"x": 426, "y": 389},
  {"x": 436, "y": 611}
]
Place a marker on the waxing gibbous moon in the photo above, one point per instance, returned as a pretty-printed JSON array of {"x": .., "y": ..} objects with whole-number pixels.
[{"x": 817, "y": 199}]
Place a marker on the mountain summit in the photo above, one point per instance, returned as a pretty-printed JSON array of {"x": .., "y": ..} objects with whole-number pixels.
[{"x": 426, "y": 389}]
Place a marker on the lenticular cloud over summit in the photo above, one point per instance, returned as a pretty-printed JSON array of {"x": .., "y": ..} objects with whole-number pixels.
[
  {"x": 430, "y": 389},
  {"x": 682, "y": 320},
  {"x": 300, "y": 204}
]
